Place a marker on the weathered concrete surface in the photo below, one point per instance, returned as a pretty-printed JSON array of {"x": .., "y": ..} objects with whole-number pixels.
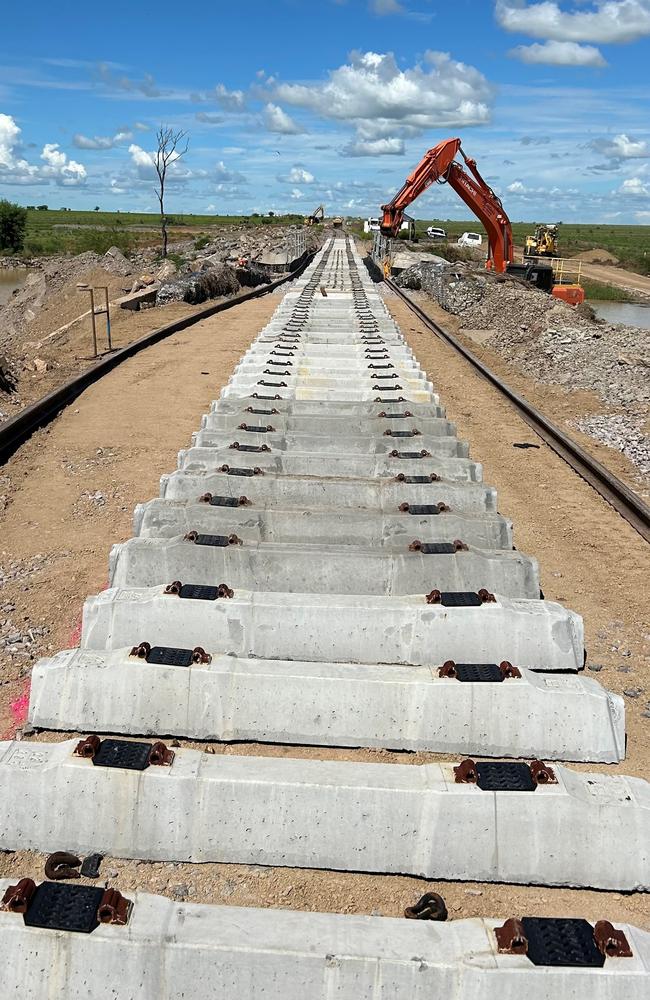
[
  {"x": 355, "y": 414},
  {"x": 461, "y": 470},
  {"x": 328, "y": 423},
  {"x": 327, "y": 445},
  {"x": 267, "y": 523},
  {"x": 322, "y": 569},
  {"x": 385, "y": 493},
  {"x": 537, "y": 634},
  {"x": 233, "y": 953},
  {"x": 279, "y": 701},
  {"x": 327, "y": 814}
]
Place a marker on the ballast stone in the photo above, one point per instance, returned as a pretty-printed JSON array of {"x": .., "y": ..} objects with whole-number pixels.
[
  {"x": 322, "y": 569},
  {"x": 230, "y": 953},
  {"x": 328, "y": 704},
  {"x": 541, "y": 635},
  {"x": 400, "y": 818}
]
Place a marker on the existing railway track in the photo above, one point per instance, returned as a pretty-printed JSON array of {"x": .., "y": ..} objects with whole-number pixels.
[
  {"x": 622, "y": 499},
  {"x": 274, "y": 593}
]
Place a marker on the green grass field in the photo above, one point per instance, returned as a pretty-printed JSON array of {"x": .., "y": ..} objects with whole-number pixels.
[{"x": 57, "y": 231}]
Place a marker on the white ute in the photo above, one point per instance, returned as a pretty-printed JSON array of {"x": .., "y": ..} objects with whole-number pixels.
[{"x": 470, "y": 240}]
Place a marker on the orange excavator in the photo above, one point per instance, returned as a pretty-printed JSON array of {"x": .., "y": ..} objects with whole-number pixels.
[{"x": 439, "y": 164}]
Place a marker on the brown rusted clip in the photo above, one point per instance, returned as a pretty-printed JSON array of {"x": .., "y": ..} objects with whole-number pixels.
[
  {"x": 173, "y": 588},
  {"x": 242, "y": 501},
  {"x": 161, "y": 755},
  {"x": 542, "y": 774},
  {"x": 405, "y": 507},
  {"x": 245, "y": 427},
  {"x": 256, "y": 395},
  {"x": 250, "y": 409},
  {"x": 398, "y": 399},
  {"x": 114, "y": 908},
  {"x": 88, "y": 748},
  {"x": 431, "y": 906},
  {"x": 17, "y": 897},
  {"x": 62, "y": 865},
  {"x": 414, "y": 432},
  {"x": 141, "y": 651},
  {"x": 407, "y": 413},
  {"x": 511, "y": 938},
  {"x": 199, "y": 655},
  {"x": 423, "y": 454},
  {"x": 486, "y": 597},
  {"x": 434, "y": 597},
  {"x": 507, "y": 669},
  {"x": 465, "y": 773},
  {"x": 448, "y": 669},
  {"x": 610, "y": 941}
]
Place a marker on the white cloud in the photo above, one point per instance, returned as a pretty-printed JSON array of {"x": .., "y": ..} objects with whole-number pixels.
[
  {"x": 382, "y": 100},
  {"x": 642, "y": 216},
  {"x": 559, "y": 54},
  {"x": 634, "y": 187},
  {"x": 612, "y": 20},
  {"x": 142, "y": 161},
  {"x": 297, "y": 175},
  {"x": 225, "y": 176},
  {"x": 296, "y": 194},
  {"x": 101, "y": 141},
  {"x": 208, "y": 119},
  {"x": 229, "y": 100},
  {"x": 14, "y": 169},
  {"x": 621, "y": 147},
  {"x": 516, "y": 188},
  {"x": 374, "y": 147},
  {"x": 277, "y": 120}
]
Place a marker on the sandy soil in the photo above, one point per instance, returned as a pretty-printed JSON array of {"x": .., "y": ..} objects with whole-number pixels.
[
  {"x": 617, "y": 276},
  {"x": 124, "y": 432}
]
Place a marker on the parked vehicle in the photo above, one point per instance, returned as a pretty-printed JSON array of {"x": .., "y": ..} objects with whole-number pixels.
[
  {"x": 436, "y": 233},
  {"x": 470, "y": 240}
]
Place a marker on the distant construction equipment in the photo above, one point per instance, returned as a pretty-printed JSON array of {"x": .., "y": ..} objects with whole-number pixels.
[
  {"x": 544, "y": 242},
  {"x": 318, "y": 215}
]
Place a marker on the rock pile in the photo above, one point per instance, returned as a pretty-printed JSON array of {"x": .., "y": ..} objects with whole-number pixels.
[{"x": 552, "y": 342}]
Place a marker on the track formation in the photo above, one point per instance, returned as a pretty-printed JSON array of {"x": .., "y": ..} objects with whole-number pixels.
[{"x": 325, "y": 567}]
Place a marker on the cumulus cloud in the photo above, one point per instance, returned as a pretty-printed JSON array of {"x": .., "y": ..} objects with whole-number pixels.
[
  {"x": 621, "y": 147},
  {"x": 558, "y": 54},
  {"x": 277, "y": 120},
  {"x": 634, "y": 187},
  {"x": 227, "y": 100},
  {"x": 297, "y": 175},
  {"x": 612, "y": 20},
  {"x": 225, "y": 176},
  {"x": 14, "y": 169},
  {"x": 101, "y": 141},
  {"x": 374, "y": 147},
  {"x": 371, "y": 91}
]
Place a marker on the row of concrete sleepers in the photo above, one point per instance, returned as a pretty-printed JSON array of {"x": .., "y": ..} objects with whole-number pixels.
[{"x": 327, "y": 567}]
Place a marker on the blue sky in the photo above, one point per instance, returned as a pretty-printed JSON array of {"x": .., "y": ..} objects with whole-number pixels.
[{"x": 292, "y": 103}]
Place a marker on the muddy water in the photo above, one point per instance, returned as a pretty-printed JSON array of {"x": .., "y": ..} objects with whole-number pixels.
[
  {"x": 10, "y": 279},
  {"x": 623, "y": 312}
]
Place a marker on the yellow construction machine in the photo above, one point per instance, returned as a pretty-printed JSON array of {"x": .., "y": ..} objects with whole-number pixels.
[
  {"x": 544, "y": 243},
  {"x": 318, "y": 215}
]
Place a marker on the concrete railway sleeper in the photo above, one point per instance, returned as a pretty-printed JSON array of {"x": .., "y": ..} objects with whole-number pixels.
[
  {"x": 495, "y": 710},
  {"x": 375, "y": 600},
  {"x": 100, "y": 795},
  {"x": 161, "y": 946}
]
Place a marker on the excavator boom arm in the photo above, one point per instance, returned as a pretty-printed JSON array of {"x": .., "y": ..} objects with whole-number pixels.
[{"x": 439, "y": 164}]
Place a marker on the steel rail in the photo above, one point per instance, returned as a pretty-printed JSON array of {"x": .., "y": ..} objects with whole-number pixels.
[
  {"x": 15, "y": 431},
  {"x": 616, "y": 493}
]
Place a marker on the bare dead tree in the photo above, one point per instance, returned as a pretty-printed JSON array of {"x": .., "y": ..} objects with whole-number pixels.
[{"x": 168, "y": 151}]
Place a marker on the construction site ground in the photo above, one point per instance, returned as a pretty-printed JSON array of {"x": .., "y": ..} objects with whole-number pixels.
[{"x": 69, "y": 495}]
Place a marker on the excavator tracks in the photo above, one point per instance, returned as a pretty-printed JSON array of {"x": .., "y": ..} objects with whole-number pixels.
[{"x": 325, "y": 567}]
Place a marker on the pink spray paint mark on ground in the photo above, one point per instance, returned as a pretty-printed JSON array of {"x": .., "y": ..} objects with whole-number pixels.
[{"x": 19, "y": 709}]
